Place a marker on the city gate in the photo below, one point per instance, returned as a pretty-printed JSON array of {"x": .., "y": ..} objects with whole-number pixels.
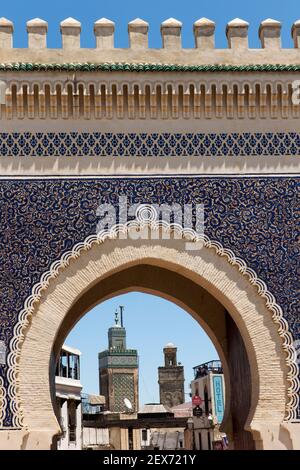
[{"x": 216, "y": 128}]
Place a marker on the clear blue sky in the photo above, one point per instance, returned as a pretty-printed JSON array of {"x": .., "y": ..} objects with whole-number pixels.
[
  {"x": 150, "y": 322},
  {"x": 155, "y": 11}
]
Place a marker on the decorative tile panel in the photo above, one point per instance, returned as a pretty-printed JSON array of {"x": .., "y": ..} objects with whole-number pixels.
[
  {"x": 257, "y": 218},
  {"x": 123, "y": 385},
  {"x": 97, "y": 144}
]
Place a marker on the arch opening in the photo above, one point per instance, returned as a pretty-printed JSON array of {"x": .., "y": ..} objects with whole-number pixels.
[
  {"x": 204, "y": 308},
  {"x": 190, "y": 281}
]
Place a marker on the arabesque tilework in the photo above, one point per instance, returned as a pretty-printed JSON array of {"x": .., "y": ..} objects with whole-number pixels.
[
  {"x": 95, "y": 144},
  {"x": 257, "y": 218}
]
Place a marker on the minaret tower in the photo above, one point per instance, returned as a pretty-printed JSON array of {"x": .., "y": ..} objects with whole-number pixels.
[
  {"x": 171, "y": 378},
  {"x": 118, "y": 369}
]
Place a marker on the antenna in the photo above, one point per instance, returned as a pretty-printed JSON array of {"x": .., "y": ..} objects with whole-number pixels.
[{"x": 121, "y": 311}]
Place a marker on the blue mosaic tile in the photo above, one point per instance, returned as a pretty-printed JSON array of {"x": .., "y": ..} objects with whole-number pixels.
[
  {"x": 148, "y": 145},
  {"x": 258, "y": 218}
]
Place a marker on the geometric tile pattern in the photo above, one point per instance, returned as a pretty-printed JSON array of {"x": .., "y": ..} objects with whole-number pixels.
[
  {"x": 257, "y": 218},
  {"x": 123, "y": 385},
  {"x": 81, "y": 144}
]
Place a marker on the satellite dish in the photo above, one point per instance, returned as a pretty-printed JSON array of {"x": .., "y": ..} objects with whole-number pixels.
[{"x": 128, "y": 404}]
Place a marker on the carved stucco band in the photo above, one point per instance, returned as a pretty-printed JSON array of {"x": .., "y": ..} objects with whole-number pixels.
[
  {"x": 142, "y": 223},
  {"x": 3, "y": 401}
]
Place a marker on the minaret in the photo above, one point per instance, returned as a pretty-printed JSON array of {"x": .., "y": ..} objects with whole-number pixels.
[
  {"x": 171, "y": 378},
  {"x": 118, "y": 369}
]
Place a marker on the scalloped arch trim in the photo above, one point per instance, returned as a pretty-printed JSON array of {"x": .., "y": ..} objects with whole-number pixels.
[{"x": 184, "y": 234}]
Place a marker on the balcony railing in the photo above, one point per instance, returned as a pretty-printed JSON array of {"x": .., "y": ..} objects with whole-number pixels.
[{"x": 211, "y": 366}]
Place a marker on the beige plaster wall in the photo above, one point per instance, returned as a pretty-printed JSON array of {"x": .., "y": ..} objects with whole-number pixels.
[{"x": 163, "y": 56}]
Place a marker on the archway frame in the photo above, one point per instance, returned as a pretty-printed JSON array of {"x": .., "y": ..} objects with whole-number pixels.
[{"x": 40, "y": 290}]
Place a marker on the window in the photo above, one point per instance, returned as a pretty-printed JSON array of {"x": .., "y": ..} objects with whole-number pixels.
[
  {"x": 72, "y": 420},
  {"x": 144, "y": 435},
  {"x": 63, "y": 372},
  {"x": 68, "y": 366},
  {"x": 77, "y": 368},
  {"x": 130, "y": 438},
  {"x": 208, "y": 440},
  {"x": 200, "y": 440},
  {"x": 206, "y": 400},
  {"x": 73, "y": 372}
]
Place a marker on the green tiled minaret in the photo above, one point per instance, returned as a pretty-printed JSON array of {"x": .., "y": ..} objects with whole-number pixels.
[{"x": 118, "y": 369}]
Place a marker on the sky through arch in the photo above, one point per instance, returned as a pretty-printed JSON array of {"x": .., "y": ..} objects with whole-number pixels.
[{"x": 151, "y": 322}]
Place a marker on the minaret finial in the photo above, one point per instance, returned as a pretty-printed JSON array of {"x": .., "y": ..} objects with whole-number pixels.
[
  {"x": 116, "y": 317},
  {"x": 121, "y": 312}
]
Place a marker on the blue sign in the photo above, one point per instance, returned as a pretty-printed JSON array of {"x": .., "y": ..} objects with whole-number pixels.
[{"x": 218, "y": 396}]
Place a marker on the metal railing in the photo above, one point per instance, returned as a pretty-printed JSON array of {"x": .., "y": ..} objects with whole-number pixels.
[
  {"x": 87, "y": 408},
  {"x": 211, "y": 366}
]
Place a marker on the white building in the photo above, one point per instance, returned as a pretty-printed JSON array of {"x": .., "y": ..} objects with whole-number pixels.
[
  {"x": 208, "y": 384},
  {"x": 68, "y": 398}
]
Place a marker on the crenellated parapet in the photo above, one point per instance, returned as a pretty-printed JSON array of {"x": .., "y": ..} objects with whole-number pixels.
[
  {"x": 204, "y": 51},
  {"x": 143, "y": 83}
]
